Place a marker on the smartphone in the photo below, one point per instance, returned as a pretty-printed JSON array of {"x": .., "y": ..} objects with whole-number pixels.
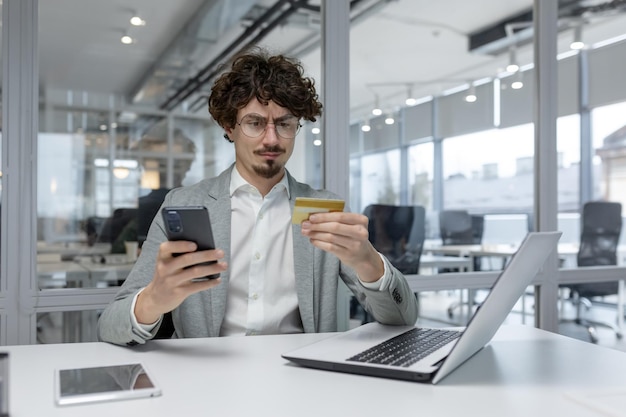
[
  {"x": 190, "y": 223},
  {"x": 103, "y": 383}
]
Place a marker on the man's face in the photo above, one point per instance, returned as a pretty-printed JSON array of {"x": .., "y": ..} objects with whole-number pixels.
[{"x": 263, "y": 156}]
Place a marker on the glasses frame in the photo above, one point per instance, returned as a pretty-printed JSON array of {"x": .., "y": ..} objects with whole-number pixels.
[{"x": 239, "y": 123}]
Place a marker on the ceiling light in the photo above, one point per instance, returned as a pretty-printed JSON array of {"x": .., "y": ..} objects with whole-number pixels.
[
  {"x": 315, "y": 130},
  {"x": 126, "y": 163},
  {"x": 389, "y": 120},
  {"x": 471, "y": 94},
  {"x": 513, "y": 66},
  {"x": 121, "y": 173},
  {"x": 126, "y": 39},
  {"x": 376, "y": 111},
  {"x": 317, "y": 142},
  {"x": 577, "y": 42},
  {"x": 365, "y": 127},
  {"x": 136, "y": 20},
  {"x": 410, "y": 100},
  {"x": 517, "y": 82}
]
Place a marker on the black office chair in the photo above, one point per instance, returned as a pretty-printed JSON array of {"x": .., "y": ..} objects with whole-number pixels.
[
  {"x": 397, "y": 232},
  {"x": 458, "y": 227},
  {"x": 455, "y": 227},
  {"x": 601, "y": 226}
]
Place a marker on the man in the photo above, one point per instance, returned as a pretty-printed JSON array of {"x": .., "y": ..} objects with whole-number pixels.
[{"x": 275, "y": 277}]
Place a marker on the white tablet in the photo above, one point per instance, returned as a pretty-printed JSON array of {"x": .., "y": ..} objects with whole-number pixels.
[{"x": 103, "y": 383}]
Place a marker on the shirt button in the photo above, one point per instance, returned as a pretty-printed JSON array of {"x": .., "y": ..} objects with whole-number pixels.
[
  {"x": 257, "y": 256},
  {"x": 255, "y": 296},
  {"x": 260, "y": 216}
]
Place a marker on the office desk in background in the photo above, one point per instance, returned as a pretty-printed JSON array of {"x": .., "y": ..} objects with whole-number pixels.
[
  {"x": 523, "y": 372},
  {"x": 67, "y": 251},
  {"x": 83, "y": 272},
  {"x": 428, "y": 260}
]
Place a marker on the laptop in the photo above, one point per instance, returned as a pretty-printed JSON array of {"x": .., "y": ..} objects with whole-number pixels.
[{"x": 395, "y": 351}]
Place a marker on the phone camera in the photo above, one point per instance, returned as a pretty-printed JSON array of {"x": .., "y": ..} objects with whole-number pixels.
[{"x": 173, "y": 222}]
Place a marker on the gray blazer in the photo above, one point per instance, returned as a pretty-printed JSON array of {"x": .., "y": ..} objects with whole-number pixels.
[{"x": 201, "y": 314}]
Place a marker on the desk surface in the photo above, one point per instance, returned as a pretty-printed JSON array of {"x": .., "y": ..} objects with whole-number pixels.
[
  {"x": 494, "y": 249},
  {"x": 524, "y": 371},
  {"x": 428, "y": 260}
]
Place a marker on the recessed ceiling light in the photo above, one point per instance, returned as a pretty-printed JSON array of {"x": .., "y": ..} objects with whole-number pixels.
[
  {"x": 126, "y": 40},
  {"x": 137, "y": 21}
]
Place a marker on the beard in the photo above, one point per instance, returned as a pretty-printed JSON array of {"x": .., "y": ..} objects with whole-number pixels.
[{"x": 270, "y": 168}]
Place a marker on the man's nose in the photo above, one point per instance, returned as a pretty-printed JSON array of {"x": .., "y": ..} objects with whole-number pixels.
[{"x": 270, "y": 135}]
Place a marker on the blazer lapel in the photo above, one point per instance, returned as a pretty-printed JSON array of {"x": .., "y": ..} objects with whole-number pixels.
[
  {"x": 303, "y": 253},
  {"x": 220, "y": 212}
]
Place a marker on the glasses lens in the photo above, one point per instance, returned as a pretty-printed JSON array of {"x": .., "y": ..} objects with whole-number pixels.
[
  {"x": 288, "y": 129},
  {"x": 252, "y": 125}
]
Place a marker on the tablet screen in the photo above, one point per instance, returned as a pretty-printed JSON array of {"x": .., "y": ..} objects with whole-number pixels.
[{"x": 104, "y": 383}]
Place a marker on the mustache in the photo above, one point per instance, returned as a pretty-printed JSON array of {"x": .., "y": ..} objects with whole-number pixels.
[{"x": 273, "y": 149}]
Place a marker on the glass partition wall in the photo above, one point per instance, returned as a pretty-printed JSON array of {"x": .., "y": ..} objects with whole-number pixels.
[
  {"x": 463, "y": 136},
  {"x": 103, "y": 155},
  {"x": 456, "y": 129},
  {"x": 2, "y": 231}
]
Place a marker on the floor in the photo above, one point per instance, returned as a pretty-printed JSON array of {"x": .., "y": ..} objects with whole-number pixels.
[{"x": 434, "y": 313}]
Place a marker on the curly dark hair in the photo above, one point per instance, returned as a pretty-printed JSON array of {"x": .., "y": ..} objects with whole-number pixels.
[{"x": 254, "y": 73}]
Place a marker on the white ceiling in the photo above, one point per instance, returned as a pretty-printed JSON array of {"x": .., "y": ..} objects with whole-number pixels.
[{"x": 423, "y": 42}]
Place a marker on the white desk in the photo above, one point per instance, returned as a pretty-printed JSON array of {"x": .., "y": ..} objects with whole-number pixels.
[
  {"x": 428, "y": 260},
  {"x": 523, "y": 372}
]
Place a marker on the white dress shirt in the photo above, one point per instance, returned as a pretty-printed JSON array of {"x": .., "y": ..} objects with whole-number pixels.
[{"x": 262, "y": 288}]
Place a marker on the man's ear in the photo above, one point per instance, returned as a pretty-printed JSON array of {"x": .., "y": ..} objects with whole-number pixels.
[{"x": 228, "y": 133}]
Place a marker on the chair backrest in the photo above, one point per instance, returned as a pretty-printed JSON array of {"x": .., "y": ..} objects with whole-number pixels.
[
  {"x": 478, "y": 226},
  {"x": 398, "y": 232},
  {"x": 455, "y": 227},
  {"x": 601, "y": 226},
  {"x": 114, "y": 225}
]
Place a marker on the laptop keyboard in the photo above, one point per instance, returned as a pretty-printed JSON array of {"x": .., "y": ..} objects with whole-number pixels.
[{"x": 407, "y": 348}]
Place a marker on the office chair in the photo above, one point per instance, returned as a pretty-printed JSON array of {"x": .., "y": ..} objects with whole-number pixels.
[
  {"x": 397, "y": 232},
  {"x": 114, "y": 225},
  {"x": 601, "y": 226},
  {"x": 458, "y": 227},
  {"x": 455, "y": 227}
]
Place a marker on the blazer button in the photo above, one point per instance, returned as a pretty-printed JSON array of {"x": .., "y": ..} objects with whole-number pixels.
[{"x": 396, "y": 296}]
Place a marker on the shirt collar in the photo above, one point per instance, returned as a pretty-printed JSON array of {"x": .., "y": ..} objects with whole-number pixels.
[{"x": 238, "y": 182}]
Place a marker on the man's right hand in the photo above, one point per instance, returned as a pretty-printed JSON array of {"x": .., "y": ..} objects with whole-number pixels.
[{"x": 172, "y": 282}]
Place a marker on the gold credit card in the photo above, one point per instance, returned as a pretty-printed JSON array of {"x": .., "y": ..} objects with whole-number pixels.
[{"x": 304, "y": 207}]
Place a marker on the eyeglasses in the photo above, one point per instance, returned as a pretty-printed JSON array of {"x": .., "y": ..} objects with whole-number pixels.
[{"x": 253, "y": 125}]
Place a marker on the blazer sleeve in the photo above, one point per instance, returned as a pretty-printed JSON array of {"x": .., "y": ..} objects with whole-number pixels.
[
  {"x": 115, "y": 325},
  {"x": 395, "y": 304}
]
